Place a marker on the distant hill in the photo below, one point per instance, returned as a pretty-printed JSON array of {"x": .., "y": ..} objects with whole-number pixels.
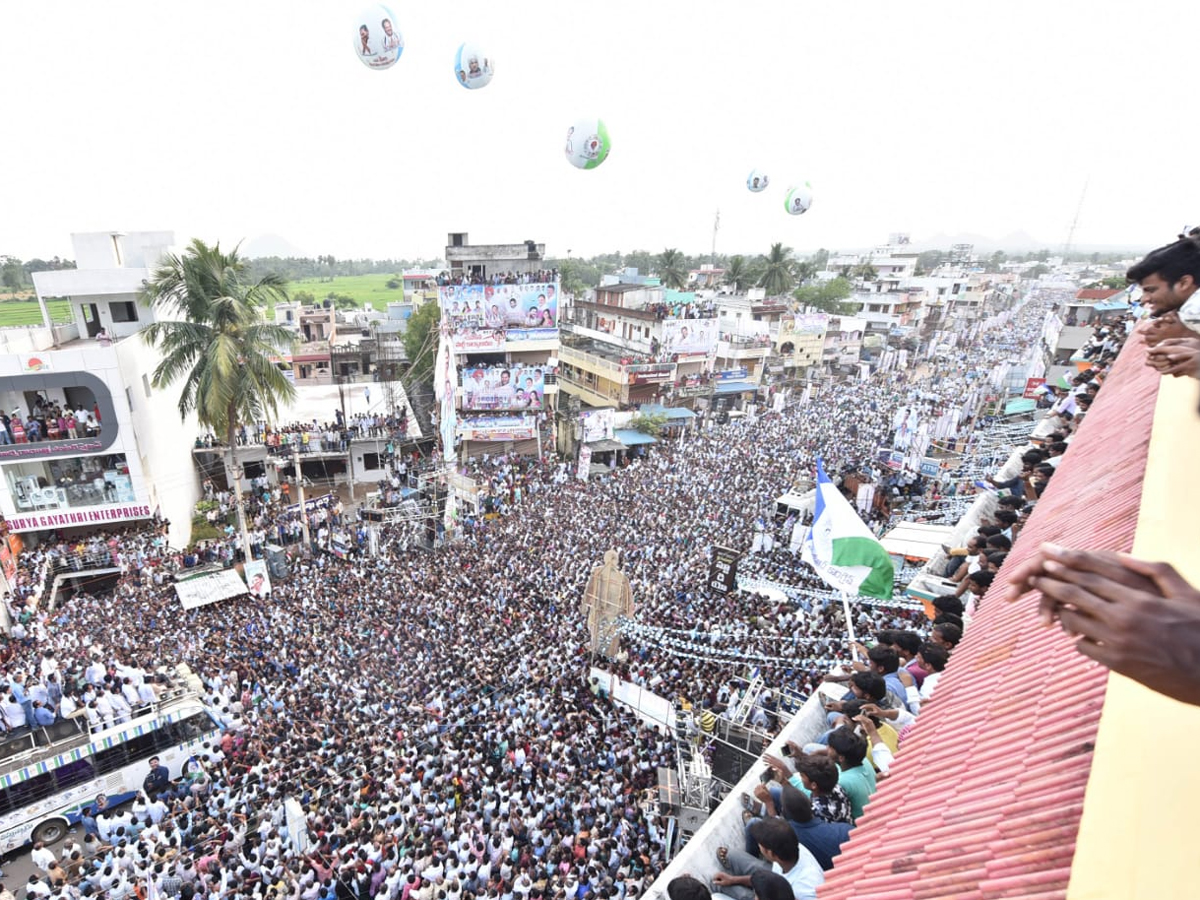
[{"x": 271, "y": 245}]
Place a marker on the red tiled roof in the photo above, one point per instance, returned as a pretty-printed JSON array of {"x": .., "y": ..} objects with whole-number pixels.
[
  {"x": 1098, "y": 293},
  {"x": 985, "y": 797}
]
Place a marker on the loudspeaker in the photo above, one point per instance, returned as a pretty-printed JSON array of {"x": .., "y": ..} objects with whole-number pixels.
[
  {"x": 668, "y": 792},
  {"x": 730, "y": 764},
  {"x": 277, "y": 563}
]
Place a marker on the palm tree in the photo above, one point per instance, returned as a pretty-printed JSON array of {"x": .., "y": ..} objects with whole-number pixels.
[
  {"x": 804, "y": 271},
  {"x": 779, "y": 273},
  {"x": 739, "y": 273},
  {"x": 219, "y": 344},
  {"x": 670, "y": 269},
  {"x": 865, "y": 271}
]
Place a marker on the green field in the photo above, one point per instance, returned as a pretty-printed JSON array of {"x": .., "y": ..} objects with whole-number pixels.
[
  {"x": 363, "y": 288},
  {"x": 371, "y": 289},
  {"x": 27, "y": 312}
]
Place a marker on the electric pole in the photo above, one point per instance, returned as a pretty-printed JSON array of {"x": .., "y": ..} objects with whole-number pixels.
[
  {"x": 716, "y": 228},
  {"x": 300, "y": 496},
  {"x": 1075, "y": 221}
]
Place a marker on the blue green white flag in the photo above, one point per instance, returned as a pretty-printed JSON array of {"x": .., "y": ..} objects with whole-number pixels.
[{"x": 842, "y": 548}]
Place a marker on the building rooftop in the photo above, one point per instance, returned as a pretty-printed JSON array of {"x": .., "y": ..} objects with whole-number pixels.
[
  {"x": 1090, "y": 294},
  {"x": 624, "y": 287}
]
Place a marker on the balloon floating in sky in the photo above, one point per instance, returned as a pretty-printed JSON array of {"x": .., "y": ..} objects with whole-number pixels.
[
  {"x": 756, "y": 181},
  {"x": 377, "y": 41},
  {"x": 472, "y": 67},
  {"x": 798, "y": 199},
  {"x": 587, "y": 144}
]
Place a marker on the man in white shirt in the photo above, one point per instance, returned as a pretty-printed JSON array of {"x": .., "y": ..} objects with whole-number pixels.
[
  {"x": 95, "y": 672},
  {"x": 781, "y": 852},
  {"x": 42, "y": 857}
]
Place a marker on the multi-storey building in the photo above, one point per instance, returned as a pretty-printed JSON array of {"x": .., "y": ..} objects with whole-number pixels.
[
  {"x": 488, "y": 260},
  {"x": 635, "y": 342},
  {"x": 117, "y": 461}
]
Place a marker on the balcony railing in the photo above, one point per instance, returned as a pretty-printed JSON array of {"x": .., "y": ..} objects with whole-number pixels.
[{"x": 745, "y": 343}]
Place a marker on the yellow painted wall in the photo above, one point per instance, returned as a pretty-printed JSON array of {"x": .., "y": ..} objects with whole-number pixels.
[{"x": 1138, "y": 836}]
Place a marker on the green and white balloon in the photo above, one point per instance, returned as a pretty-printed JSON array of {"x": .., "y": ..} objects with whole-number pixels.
[
  {"x": 587, "y": 143},
  {"x": 798, "y": 199}
]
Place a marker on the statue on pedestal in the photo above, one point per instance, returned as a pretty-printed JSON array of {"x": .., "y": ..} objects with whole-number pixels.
[{"x": 606, "y": 598}]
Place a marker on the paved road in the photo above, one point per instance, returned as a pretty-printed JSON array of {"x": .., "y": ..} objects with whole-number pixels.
[{"x": 18, "y": 867}]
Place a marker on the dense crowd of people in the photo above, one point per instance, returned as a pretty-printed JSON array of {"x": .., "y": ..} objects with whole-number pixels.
[{"x": 431, "y": 712}]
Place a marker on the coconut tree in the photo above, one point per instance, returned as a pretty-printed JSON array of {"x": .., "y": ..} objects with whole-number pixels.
[
  {"x": 671, "y": 269},
  {"x": 778, "y": 275},
  {"x": 739, "y": 273},
  {"x": 214, "y": 338}
]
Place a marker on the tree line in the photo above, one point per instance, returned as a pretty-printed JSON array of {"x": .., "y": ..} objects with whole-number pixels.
[
  {"x": 16, "y": 275},
  {"x": 298, "y": 268}
]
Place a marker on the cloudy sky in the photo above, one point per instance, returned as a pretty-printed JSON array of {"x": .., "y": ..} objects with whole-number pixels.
[{"x": 231, "y": 119}]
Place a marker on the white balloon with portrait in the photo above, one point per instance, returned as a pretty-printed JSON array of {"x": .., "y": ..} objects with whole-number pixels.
[
  {"x": 588, "y": 143},
  {"x": 798, "y": 199},
  {"x": 377, "y": 39},
  {"x": 757, "y": 181},
  {"x": 473, "y": 67}
]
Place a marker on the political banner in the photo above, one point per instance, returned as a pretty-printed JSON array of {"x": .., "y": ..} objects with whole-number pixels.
[
  {"x": 585, "y": 463},
  {"x": 805, "y": 323},
  {"x": 481, "y": 340},
  {"x": 1033, "y": 388},
  {"x": 651, "y": 373},
  {"x": 497, "y": 428},
  {"x": 722, "y": 569},
  {"x": 598, "y": 424},
  {"x": 205, "y": 589},
  {"x": 491, "y": 314},
  {"x": 500, "y": 387},
  {"x": 258, "y": 579},
  {"x": 689, "y": 336}
]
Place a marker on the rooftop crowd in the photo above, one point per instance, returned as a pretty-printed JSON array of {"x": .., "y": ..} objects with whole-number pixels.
[
  {"x": 431, "y": 711},
  {"x": 540, "y": 276}
]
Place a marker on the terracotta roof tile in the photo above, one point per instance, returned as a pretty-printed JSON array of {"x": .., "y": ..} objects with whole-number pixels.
[
  {"x": 986, "y": 795},
  {"x": 1098, "y": 293}
]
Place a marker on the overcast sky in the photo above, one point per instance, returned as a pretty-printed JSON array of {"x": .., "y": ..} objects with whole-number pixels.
[{"x": 231, "y": 119}]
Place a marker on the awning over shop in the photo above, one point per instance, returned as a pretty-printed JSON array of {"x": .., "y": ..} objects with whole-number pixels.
[
  {"x": 672, "y": 413},
  {"x": 1019, "y": 406},
  {"x": 917, "y": 540},
  {"x": 734, "y": 387},
  {"x": 631, "y": 437},
  {"x": 605, "y": 445}
]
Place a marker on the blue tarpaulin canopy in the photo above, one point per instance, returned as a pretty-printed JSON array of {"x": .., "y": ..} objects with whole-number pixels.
[
  {"x": 1019, "y": 406},
  {"x": 631, "y": 437},
  {"x": 671, "y": 412},
  {"x": 734, "y": 387}
]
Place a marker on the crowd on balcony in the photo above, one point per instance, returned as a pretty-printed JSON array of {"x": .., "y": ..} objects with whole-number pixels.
[
  {"x": 541, "y": 276},
  {"x": 48, "y": 421},
  {"x": 431, "y": 713},
  {"x": 697, "y": 309},
  {"x": 314, "y": 436}
]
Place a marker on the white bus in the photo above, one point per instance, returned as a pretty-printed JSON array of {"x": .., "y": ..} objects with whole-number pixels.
[{"x": 48, "y": 777}]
